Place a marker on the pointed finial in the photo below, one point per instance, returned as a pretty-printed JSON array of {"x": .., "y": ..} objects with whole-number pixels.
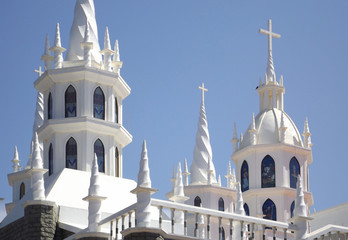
[
  {"x": 300, "y": 206},
  {"x": 179, "y": 186},
  {"x": 57, "y": 41},
  {"x": 239, "y": 201},
  {"x": 107, "y": 44},
  {"x": 281, "y": 80},
  {"x": 282, "y": 129},
  {"x": 173, "y": 178},
  {"x": 144, "y": 170},
  {"x": 186, "y": 173},
  {"x": 229, "y": 175},
  {"x": 16, "y": 166},
  {"x": 36, "y": 156},
  {"x": 307, "y": 135},
  {"x": 117, "y": 52},
  {"x": 260, "y": 82},
  {"x": 235, "y": 139},
  {"x": 46, "y": 56},
  {"x": 253, "y": 131},
  {"x": 47, "y": 46},
  {"x": 241, "y": 137},
  {"x": 57, "y": 49},
  {"x": 219, "y": 180}
]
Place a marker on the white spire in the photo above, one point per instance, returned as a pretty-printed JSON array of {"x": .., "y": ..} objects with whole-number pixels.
[
  {"x": 300, "y": 206},
  {"x": 229, "y": 175},
  {"x": 307, "y": 135},
  {"x": 235, "y": 139},
  {"x": 144, "y": 171},
  {"x": 219, "y": 180},
  {"x": 117, "y": 64},
  {"x": 179, "y": 186},
  {"x": 252, "y": 131},
  {"x": 46, "y": 56},
  {"x": 239, "y": 201},
  {"x": 241, "y": 138},
  {"x": 173, "y": 178},
  {"x": 186, "y": 173},
  {"x": 107, "y": 52},
  {"x": 107, "y": 44},
  {"x": 37, "y": 172},
  {"x": 16, "y": 161},
  {"x": 282, "y": 129},
  {"x": 57, "y": 49},
  {"x": 202, "y": 153},
  {"x": 117, "y": 52},
  {"x": 234, "y": 179},
  {"x": 84, "y": 13}
]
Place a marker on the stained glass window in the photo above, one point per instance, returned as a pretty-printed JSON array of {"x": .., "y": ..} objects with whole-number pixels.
[
  {"x": 197, "y": 201},
  {"x": 294, "y": 168},
  {"x": 116, "y": 111},
  {"x": 117, "y": 162},
  {"x": 70, "y": 102},
  {"x": 99, "y": 104},
  {"x": 269, "y": 210},
  {"x": 21, "y": 190},
  {"x": 268, "y": 172},
  {"x": 221, "y": 205},
  {"x": 49, "y": 106},
  {"x": 246, "y": 209},
  {"x": 99, "y": 151},
  {"x": 71, "y": 154},
  {"x": 50, "y": 160},
  {"x": 244, "y": 172},
  {"x": 292, "y": 207}
]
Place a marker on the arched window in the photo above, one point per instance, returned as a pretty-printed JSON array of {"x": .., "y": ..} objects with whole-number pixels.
[
  {"x": 71, "y": 154},
  {"x": 70, "y": 102},
  {"x": 246, "y": 209},
  {"x": 294, "y": 168},
  {"x": 222, "y": 233},
  {"x": 221, "y": 205},
  {"x": 117, "y": 163},
  {"x": 292, "y": 207},
  {"x": 49, "y": 106},
  {"x": 268, "y": 177},
  {"x": 98, "y": 104},
  {"x": 116, "y": 111},
  {"x": 21, "y": 190},
  {"x": 99, "y": 150},
  {"x": 244, "y": 173},
  {"x": 197, "y": 201},
  {"x": 269, "y": 210},
  {"x": 50, "y": 160}
]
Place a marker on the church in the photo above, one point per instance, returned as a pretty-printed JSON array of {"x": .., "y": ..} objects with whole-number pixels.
[{"x": 79, "y": 134}]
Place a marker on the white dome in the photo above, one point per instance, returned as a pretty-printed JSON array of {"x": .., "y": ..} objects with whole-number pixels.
[{"x": 267, "y": 124}]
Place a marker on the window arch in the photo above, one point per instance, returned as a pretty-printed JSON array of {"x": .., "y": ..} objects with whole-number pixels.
[
  {"x": 221, "y": 205},
  {"x": 246, "y": 209},
  {"x": 50, "y": 160},
  {"x": 21, "y": 191},
  {"x": 49, "y": 106},
  {"x": 71, "y": 154},
  {"x": 99, "y": 151},
  {"x": 244, "y": 173},
  {"x": 197, "y": 201},
  {"x": 116, "y": 111},
  {"x": 294, "y": 169},
  {"x": 70, "y": 102},
  {"x": 269, "y": 210},
  {"x": 98, "y": 104},
  {"x": 268, "y": 177},
  {"x": 292, "y": 208},
  {"x": 117, "y": 162}
]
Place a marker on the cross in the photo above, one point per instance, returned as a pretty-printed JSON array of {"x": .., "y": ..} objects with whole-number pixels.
[
  {"x": 270, "y": 34},
  {"x": 39, "y": 71},
  {"x": 203, "y": 90}
]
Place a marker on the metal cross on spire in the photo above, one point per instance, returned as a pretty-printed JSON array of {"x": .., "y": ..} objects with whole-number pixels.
[
  {"x": 270, "y": 34},
  {"x": 203, "y": 90}
]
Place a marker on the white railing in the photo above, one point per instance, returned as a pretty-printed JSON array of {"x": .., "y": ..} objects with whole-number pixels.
[{"x": 329, "y": 232}]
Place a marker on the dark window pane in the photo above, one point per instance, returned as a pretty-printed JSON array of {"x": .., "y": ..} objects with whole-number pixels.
[
  {"x": 246, "y": 209},
  {"x": 49, "y": 106},
  {"x": 116, "y": 111},
  {"x": 245, "y": 176},
  {"x": 221, "y": 205},
  {"x": 294, "y": 168},
  {"x": 197, "y": 201},
  {"x": 70, "y": 102},
  {"x": 99, "y": 150},
  {"x": 71, "y": 154},
  {"x": 50, "y": 160},
  {"x": 99, "y": 104},
  {"x": 21, "y": 190},
  {"x": 292, "y": 207},
  {"x": 268, "y": 172},
  {"x": 269, "y": 210}
]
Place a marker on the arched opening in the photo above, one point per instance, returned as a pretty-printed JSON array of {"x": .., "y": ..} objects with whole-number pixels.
[
  {"x": 222, "y": 233},
  {"x": 221, "y": 205},
  {"x": 268, "y": 177},
  {"x": 70, "y": 102},
  {"x": 50, "y": 160},
  {"x": 71, "y": 154},
  {"x": 244, "y": 173},
  {"x": 99, "y": 151},
  {"x": 49, "y": 106},
  {"x": 116, "y": 111},
  {"x": 269, "y": 210},
  {"x": 197, "y": 202},
  {"x": 98, "y": 104},
  {"x": 294, "y": 169},
  {"x": 117, "y": 163},
  {"x": 292, "y": 208},
  {"x": 246, "y": 209},
  {"x": 21, "y": 191}
]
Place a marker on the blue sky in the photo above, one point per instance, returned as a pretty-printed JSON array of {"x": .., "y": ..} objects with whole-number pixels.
[{"x": 168, "y": 49}]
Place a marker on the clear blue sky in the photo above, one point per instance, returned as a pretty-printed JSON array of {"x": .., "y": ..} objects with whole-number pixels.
[{"x": 168, "y": 49}]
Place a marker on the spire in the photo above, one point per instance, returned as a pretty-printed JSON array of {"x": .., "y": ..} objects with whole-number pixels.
[
  {"x": 37, "y": 172},
  {"x": 84, "y": 13},
  {"x": 16, "y": 161},
  {"x": 235, "y": 139},
  {"x": 307, "y": 135},
  {"x": 107, "y": 52},
  {"x": 241, "y": 138},
  {"x": 229, "y": 175},
  {"x": 219, "y": 180},
  {"x": 117, "y": 64},
  {"x": 202, "y": 153},
  {"x": 179, "y": 186},
  {"x": 300, "y": 206},
  {"x": 87, "y": 46},
  {"x": 57, "y": 49},
  {"x": 253, "y": 131},
  {"x": 239, "y": 201},
  {"x": 282, "y": 129},
  {"x": 173, "y": 178},
  {"x": 186, "y": 173},
  {"x": 46, "y": 56},
  {"x": 144, "y": 170},
  {"x": 234, "y": 179}
]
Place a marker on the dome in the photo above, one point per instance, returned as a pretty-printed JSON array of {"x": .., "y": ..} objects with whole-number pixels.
[{"x": 267, "y": 124}]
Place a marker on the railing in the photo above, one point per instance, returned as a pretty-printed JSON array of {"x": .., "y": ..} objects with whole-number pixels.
[
  {"x": 329, "y": 232},
  {"x": 199, "y": 223}
]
